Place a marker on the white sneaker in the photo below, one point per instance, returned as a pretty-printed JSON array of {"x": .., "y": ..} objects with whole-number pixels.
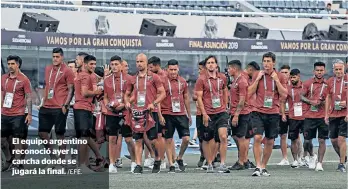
[
  {"x": 284, "y": 162},
  {"x": 133, "y": 165},
  {"x": 149, "y": 163},
  {"x": 301, "y": 162},
  {"x": 163, "y": 165},
  {"x": 112, "y": 168},
  {"x": 295, "y": 164},
  {"x": 312, "y": 161},
  {"x": 319, "y": 167}
]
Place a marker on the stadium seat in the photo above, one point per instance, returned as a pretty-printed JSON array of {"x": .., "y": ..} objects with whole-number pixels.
[
  {"x": 222, "y": 9},
  {"x": 270, "y": 10},
  {"x": 305, "y": 4},
  {"x": 265, "y": 4},
  {"x": 103, "y": 4},
  {"x": 280, "y": 4},
  {"x": 289, "y": 4},
  {"x": 317, "y": 11},
  {"x": 263, "y": 9},
  {"x": 287, "y": 11},
  {"x": 321, "y": 5},
  {"x": 302, "y": 11},
  {"x": 296, "y": 4},
  {"x": 172, "y": 7},
  {"x": 136, "y": 5},
  {"x": 273, "y": 4},
  {"x": 312, "y": 4},
  {"x": 257, "y": 4}
]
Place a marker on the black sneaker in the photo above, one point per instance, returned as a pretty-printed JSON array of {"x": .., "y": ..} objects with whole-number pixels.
[
  {"x": 249, "y": 165},
  {"x": 257, "y": 172},
  {"x": 345, "y": 159},
  {"x": 237, "y": 166},
  {"x": 171, "y": 169},
  {"x": 201, "y": 161},
  {"x": 341, "y": 168},
  {"x": 128, "y": 157},
  {"x": 181, "y": 164},
  {"x": 217, "y": 158},
  {"x": 156, "y": 167},
  {"x": 7, "y": 165},
  {"x": 265, "y": 173},
  {"x": 138, "y": 170}
]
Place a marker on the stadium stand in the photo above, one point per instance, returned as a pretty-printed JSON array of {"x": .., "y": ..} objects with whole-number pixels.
[{"x": 218, "y": 8}]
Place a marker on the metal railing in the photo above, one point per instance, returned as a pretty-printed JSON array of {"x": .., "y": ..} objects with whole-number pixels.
[{"x": 186, "y": 12}]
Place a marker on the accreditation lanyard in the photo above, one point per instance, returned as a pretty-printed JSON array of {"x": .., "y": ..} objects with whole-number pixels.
[
  {"x": 340, "y": 88},
  {"x": 121, "y": 78},
  {"x": 14, "y": 86},
  {"x": 265, "y": 83},
  {"x": 293, "y": 94},
  {"x": 55, "y": 80},
  {"x": 170, "y": 87},
  {"x": 137, "y": 84},
  {"x": 211, "y": 89},
  {"x": 321, "y": 90}
]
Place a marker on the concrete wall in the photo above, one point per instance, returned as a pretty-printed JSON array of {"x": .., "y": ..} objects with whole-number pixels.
[{"x": 129, "y": 24}]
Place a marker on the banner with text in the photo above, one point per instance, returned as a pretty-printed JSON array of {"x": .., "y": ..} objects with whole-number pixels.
[{"x": 20, "y": 38}]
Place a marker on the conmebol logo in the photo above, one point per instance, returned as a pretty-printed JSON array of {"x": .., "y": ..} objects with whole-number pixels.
[
  {"x": 164, "y": 43},
  {"x": 21, "y": 39}
]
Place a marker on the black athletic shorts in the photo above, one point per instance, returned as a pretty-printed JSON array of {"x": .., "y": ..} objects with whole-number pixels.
[
  {"x": 338, "y": 127},
  {"x": 52, "y": 116},
  {"x": 217, "y": 121},
  {"x": 83, "y": 120},
  {"x": 311, "y": 125},
  {"x": 126, "y": 131},
  {"x": 200, "y": 127},
  {"x": 265, "y": 123},
  {"x": 283, "y": 126},
  {"x": 13, "y": 126},
  {"x": 178, "y": 122},
  {"x": 241, "y": 129},
  {"x": 113, "y": 125},
  {"x": 295, "y": 127},
  {"x": 151, "y": 134},
  {"x": 250, "y": 132}
]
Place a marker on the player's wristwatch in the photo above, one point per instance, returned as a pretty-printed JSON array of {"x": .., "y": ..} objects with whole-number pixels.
[{"x": 66, "y": 106}]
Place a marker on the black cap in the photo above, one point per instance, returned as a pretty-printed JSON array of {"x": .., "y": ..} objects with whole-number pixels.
[
  {"x": 295, "y": 71},
  {"x": 99, "y": 71}
]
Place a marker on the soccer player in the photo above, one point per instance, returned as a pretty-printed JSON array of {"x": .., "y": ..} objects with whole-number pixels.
[
  {"x": 58, "y": 92},
  {"x": 213, "y": 87},
  {"x": 295, "y": 116},
  {"x": 314, "y": 91},
  {"x": 16, "y": 96},
  {"x": 239, "y": 111},
  {"x": 176, "y": 113},
  {"x": 85, "y": 91},
  {"x": 148, "y": 92},
  {"x": 269, "y": 86},
  {"x": 336, "y": 112},
  {"x": 283, "y": 123},
  {"x": 114, "y": 90}
]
